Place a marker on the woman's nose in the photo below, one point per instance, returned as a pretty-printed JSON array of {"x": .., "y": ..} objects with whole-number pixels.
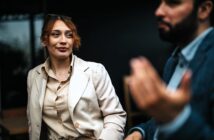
[{"x": 63, "y": 39}]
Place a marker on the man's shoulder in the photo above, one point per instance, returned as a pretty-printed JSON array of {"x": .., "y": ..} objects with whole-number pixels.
[
  {"x": 207, "y": 46},
  {"x": 209, "y": 38}
]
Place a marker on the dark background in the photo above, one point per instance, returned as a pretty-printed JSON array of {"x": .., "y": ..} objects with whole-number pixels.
[{"x": 112, "y": 33}]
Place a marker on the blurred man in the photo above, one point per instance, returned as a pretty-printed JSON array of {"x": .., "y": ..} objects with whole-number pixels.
[{"x": 183, "y": 108}]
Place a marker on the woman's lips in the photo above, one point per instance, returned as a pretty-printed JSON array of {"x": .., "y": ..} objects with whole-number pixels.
[{"x": 62, "y": 49}]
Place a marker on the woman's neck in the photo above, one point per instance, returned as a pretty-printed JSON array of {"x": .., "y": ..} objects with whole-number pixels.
[{"x": 61, "y": 68}]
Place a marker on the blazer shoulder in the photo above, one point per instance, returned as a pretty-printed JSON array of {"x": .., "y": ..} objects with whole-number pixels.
[
  {"x": 95, "y": 70},
  {"x": 36, "y": 69},
  {"x": 89, "y": 65},
  {"x": 207, "y": 47},
  {"x": 208, "y": 42}
]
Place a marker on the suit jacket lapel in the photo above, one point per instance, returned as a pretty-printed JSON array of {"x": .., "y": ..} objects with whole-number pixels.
[
  {"x": 200, "y": 55},
  {"x": 41, "y": 82},
  {"x": 169, "y": 69},
  {"x": 196, "y": 63},
  {"x": 78, "y": 83}
]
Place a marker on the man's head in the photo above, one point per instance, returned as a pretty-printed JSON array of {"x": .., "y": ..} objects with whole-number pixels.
[{"x": 180, "y": 21}]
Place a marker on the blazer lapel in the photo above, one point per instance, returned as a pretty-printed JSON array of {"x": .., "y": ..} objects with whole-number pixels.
[
  {"x": 196, "y": 62},
  {"x": 41, "y": 82},
  {"x": 78, "y": 83}
]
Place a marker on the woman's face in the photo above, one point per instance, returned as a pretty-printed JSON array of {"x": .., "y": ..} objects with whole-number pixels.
[{"x": 60, "y": 42}]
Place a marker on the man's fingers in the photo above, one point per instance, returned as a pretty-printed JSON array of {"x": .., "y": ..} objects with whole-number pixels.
[
  {"x": 185, "y": 84},
  {"x": 134, "y": 136},
  {"x": 181, "y": 96},
  {"x": 136, "y": 90},
  {"x": 136, "y": 66}
]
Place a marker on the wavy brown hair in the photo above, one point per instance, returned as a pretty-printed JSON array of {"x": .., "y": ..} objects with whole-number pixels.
[{"x": 49, "y": 21}]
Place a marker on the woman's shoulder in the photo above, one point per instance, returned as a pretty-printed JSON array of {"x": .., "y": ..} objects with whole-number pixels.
[
  {"x": 36, "y": 69},
  {"x": 90, "y": 64}
]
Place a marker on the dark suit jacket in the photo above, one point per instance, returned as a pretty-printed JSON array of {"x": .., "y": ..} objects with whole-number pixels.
[{"x": 200, "y": 124}]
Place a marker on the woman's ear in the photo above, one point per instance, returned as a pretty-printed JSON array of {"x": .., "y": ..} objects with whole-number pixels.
[
  {"x": 205, "y": 9},
  {"x": 44, "y": 44}
]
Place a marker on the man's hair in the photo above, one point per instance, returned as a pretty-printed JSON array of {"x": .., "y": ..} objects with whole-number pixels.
[{"x": 198, "y": 2}]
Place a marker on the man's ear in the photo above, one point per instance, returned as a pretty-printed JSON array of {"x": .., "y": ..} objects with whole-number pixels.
[{"x": 205, "y": 9}]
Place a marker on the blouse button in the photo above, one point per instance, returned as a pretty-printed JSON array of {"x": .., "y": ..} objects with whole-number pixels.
[{"x": 76, "y": 125}]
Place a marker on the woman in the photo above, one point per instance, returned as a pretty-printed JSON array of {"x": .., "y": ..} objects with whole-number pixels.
[{"x": 69, "y": 98}]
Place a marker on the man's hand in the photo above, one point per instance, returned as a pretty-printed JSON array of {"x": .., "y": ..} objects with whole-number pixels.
[
  {"x": 134, "y": 136},
  {"x": 151, "y": 94}
]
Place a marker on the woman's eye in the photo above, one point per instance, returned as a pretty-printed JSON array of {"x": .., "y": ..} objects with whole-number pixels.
[
  {"x": 69, "y": 34},
  {"x": 55, "y": 34}
]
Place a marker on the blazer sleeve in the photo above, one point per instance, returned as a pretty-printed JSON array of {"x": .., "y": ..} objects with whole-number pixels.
[
  {"x": 29, "y": 79},
  {"x": 146, "y": 129},
  {"x": 113, "y": 114},
  {"x": 200, "y": 124}
]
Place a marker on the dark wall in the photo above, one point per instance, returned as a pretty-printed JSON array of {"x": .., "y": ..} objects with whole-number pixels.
[{"x": 112, "y": 34}]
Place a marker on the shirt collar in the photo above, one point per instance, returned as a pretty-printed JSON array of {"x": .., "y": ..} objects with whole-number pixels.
[
  {"x": 46, "y": 65},
  {"x": 189, "y": 51}
]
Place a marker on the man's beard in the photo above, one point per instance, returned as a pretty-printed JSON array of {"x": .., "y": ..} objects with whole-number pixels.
[{"x": 183, "y": 32}]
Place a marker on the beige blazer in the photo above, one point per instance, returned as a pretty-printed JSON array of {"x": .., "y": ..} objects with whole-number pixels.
[{"x": 93, "y": 104}]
